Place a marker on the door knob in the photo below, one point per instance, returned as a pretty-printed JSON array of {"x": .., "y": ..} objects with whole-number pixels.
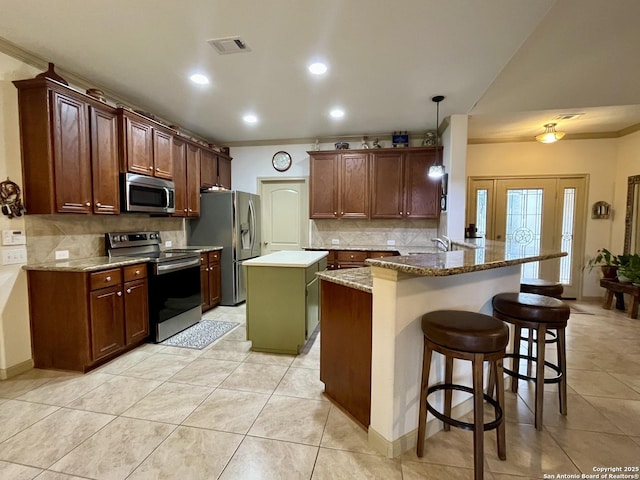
[{"x": 265, "y": 243}]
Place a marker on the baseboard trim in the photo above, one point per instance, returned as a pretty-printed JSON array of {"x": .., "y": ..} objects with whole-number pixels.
[{"x": 14, "y": 370}]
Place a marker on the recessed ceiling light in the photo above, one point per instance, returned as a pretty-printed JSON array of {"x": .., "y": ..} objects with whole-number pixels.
[
  {"x": 250, "y": 118},
  {"x": 337, "y": 113},
  {"x": 199, "y": 78},
  {"x": 318, "y": 68}
]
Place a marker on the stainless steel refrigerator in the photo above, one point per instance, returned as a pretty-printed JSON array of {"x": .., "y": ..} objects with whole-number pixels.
[{"x": 232, "y": 220}]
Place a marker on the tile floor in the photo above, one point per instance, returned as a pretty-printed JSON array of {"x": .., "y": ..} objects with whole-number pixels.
[{"x": 228, "y": 413}]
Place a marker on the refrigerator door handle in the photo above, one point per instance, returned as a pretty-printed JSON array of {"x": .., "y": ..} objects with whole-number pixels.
[{"x": 252, "y": 224}]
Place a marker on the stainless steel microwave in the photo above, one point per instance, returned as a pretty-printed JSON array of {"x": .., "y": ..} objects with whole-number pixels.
[{"x": 141, "y": 193}]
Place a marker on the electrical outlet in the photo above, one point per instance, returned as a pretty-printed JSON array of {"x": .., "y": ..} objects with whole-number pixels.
[
  {"x": 391, "y": 242},
  {"x": 168, "y": 243},
  {"x": 13, "y": 237},
  {"x": 62, "y": 254},
  {"x": 12, "y": 256},
  {"x": 335, "y": 241}
]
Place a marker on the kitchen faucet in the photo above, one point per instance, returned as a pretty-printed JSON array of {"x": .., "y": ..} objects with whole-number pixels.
[{"x": 444, "y": 242}]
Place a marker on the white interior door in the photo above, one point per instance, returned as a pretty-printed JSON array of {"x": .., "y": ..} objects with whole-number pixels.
[{"x": 285, "y": 214}]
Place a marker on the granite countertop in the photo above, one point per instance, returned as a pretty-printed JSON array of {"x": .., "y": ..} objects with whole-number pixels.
[
  {"x": 92, "y": 264},
  {"x": 199, "y": 248},
  {"x": 403, "y": 249},
  {"x": 287, "y": 258},
  {"x": 358, "y": 278}
]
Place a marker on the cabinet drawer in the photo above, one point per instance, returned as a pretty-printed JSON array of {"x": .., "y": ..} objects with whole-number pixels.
[
  {"x": 381, "y": 254},
  {"x": 135, "y": 272},
  {"x": 214, "y": 257},
  {"x": 106, "y": 278},
  {"x": 351, "y": 256}
]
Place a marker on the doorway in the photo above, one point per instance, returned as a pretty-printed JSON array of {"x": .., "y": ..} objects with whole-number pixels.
[
  {"x": 533, "y": 214},
  {"x": 285, "y": 214}
]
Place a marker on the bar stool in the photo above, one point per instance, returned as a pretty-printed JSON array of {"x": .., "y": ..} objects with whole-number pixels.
[
  {"x": 541, "y": 287},
  {"x": 465, "y": 336},
  {"x": 538, "y": 314}
]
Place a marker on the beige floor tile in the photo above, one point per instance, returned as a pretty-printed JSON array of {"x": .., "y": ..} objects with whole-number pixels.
[
  {"x": 228, "y": 350},
  {"x": 292, "y": 419},
  {"x": 310, "y": 359},
  {"x": 170, "y": 403},
  {"x": 116, "y": 395},
  {"x": 254, "y": 377},
  {"x": 15, "y": 416},
  {"x": 189, "y": 453},
  {"x": 185, "y": 352},
  {"x": 338, "y": 464},
  {"x": 228, "y": 411},
  {"x": 588, "y": 449},
  {"x": 116, "y": 450},
  {"x": 303, "y": 383},
  {"x": 270, "y": 358},
  {"x": 625, "y": 414},
  {"x": 342, "y": 433},
  {"x": 599, "y": 384},
  {"x": 159, "y": 366},
  {"x": 238, "y": 334},
  {"x": 431, "y": 471},
  {"x": 498, "y": 476},
  {"x": 62, "y": 391},
  {"x": 151, "y": 348},
  {"x": 208, "y": 372},
  {"x": 261, "y": 458},
  {"x": 30, "y": 380},
  {"x": 65, "y": 429},
  {"x": 49, "y": 475},
  {"x": 453, "y": 448},
  {"x": 14, "y": 471},
  {"x": 125, "y": 361},
  {"x": 632, "y": 381},
  {"x": 528, "y": 450}
]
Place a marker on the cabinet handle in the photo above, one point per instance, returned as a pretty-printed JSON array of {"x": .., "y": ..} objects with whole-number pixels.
[
  {"x": 107, "y": 279},
  {"x": 400, "y": 213},
  {"x": 137, "y": 272},
  {"x": 190, "y": 210},
  {"x": 128, "y": 290},
  {"x": 341, "y": 213},
  {"x": 335, "y": 213},
  {"x": 119, "y": 294},
  {"x": 408, "y": 213},
  {"x": 157, "y": 169},
  {"x": 98, "y": 204},
  {"x": 351, "y": 257},
  {"x": 151, "y": 168},
  {"x": 88, "y": 204},
  {"x": 185, "y": 210}
]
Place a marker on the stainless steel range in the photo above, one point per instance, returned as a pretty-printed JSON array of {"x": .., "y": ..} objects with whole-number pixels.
[{"x": 174, "y": 281}]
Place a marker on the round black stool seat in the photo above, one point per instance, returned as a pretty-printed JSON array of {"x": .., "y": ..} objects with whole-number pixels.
[
  {"x": 538, "y": 314},
  {"x": 541, "y": 287},
  {"x": 477, "y": 338},
  {"x": 465, "y": 331}
]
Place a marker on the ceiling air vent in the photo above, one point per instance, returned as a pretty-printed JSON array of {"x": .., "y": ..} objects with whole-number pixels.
[
  {"x": 228, "y": 45},
  {"x": 567, "y": 116}
]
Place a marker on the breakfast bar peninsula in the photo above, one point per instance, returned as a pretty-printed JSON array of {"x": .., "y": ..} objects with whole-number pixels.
[{"x": 371, "y": 336}]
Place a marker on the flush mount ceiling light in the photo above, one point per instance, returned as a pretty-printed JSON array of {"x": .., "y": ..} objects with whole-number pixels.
[
  {"x": 250, "y": 118},
  {"x": 318, "y": 68},
  {"x": 336, "y": 113},
  {"x": 550, "y": 135},
  {"x": 199, "y": 79},
  {"x": 437, "y": 170}
]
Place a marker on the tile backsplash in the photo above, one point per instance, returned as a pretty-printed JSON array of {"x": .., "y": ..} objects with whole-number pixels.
[
  {"x": 83, "y": 236},
  {"x": 374, "y": 233}
]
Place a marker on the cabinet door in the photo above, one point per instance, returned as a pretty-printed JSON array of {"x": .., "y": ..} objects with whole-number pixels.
[
  {"x": 422, "y": 193},
  {"x": 323, "y": 190},
  {"x": 71, "y": 161},
  {"x": 106, "y": 318},
  {"x": 162, "y": 161},
  {"x": 214, "y": 279},
  {"x": 208, "y": 169},
  {"x": 139, "y": 146},
  {"x": 104, "y": 161},
  {"x": 193, "y": 181},
  {"x": 180, "y": 177},
  {"x": 312, "y": 307},
  {"x": 136, "y": 311},
  {"x": 354, "y": 186},
  {"x": 387, "y": 193},
  {"x": 224, "y": 172}
]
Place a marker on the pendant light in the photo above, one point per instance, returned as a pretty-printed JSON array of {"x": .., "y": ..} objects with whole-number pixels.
[
  {"x": 437, "y": 169},
  {"x": 550, "y": 135}
]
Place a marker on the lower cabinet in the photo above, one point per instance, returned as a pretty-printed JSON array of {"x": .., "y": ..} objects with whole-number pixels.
[
  {"x": 339, "y": 259},
  {"x": 81, "y": 319},
  {"x": 210, "y": 279}
]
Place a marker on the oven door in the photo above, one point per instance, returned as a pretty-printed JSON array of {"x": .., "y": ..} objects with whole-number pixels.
[{"x": 174, "y": 297}]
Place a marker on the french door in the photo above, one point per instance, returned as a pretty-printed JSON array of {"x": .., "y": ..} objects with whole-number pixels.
[{"x": 530, "y": 215}]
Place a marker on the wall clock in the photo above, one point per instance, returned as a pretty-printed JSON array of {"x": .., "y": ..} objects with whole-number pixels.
[{"x": 281, "y": 161}]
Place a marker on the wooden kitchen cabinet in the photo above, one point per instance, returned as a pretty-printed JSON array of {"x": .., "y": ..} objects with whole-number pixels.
[
  {"x": 401, "y": 187},
  {"x": 186, "y": 177},
  {"x": 339, "y": 259},
  {"x": 210, "y": 279},
  {"x": 69, "y": 150},
  {"x": 339, "y": 185},
  {"x": 215, "y": 170},
  {"x": 145, "y": 145},
  {"x": 82, "y": 319}
]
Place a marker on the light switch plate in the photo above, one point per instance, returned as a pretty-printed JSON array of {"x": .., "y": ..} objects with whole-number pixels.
[
  {"x": 62, "y": 254},
  {"x": 168, "y": 243},
  {"x": 13, "y": 237},
  {"x": 335, "y": 241},
  {"x": 391, "y": 242},
  {"x": 12, "y": 256}
]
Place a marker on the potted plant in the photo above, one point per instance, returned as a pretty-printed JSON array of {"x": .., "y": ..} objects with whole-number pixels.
[
  {"x": 629, "y": 268},
  {"x": 607, "y": 261}
]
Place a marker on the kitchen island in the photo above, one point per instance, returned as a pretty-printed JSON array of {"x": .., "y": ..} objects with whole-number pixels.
[
  {"x": 403, "y": 288},
  {"x": 282, "y": 299}
]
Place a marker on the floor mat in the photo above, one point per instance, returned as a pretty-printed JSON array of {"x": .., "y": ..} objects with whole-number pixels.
[{"x": 200, "y": 335}]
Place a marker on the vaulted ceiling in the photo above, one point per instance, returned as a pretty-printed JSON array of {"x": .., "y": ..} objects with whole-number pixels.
[{"x": 512, "y": 65}]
